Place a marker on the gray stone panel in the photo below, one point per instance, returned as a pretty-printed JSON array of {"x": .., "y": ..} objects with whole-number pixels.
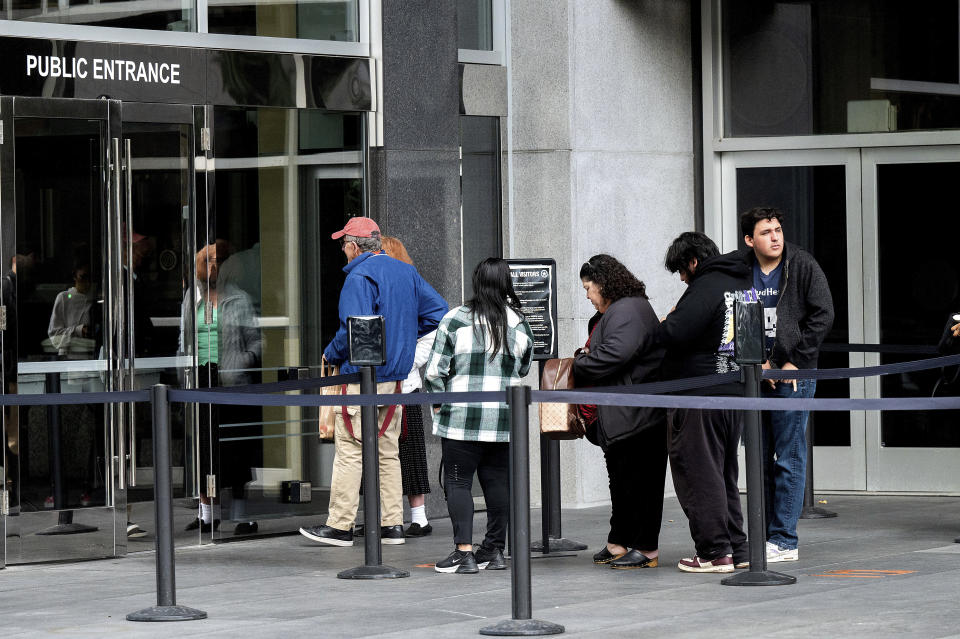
[
  {"x": 540, "y": 69},
  {"x": 631, "y": 76},
  {"x": 421, "y": 93},
  {"x": 483, "y": 89},
  {"x": 632, "y": 205},
  {"x": 419, "y": 202},
  {"x": 542, "y": 215}
]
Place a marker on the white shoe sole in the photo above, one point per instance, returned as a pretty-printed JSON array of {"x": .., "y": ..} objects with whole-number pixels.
[
  {"x": 706, "y": 569},
  {"x": 787, "y": 556},
  {"x": 451, "y": 569},
  {"x": 325, "y": 540},
  {"x": 392, "y": 542}
]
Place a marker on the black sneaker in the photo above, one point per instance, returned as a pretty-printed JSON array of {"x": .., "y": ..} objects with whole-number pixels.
[
  {"x": 461, "y": 562},
  {"x": 246, "y": 528},
  {"x": 416, "y": 530},
  {"x": 490, "y": 559},
  {"x": 392, "y": 535},
  {"x": 328, "y": 536}
]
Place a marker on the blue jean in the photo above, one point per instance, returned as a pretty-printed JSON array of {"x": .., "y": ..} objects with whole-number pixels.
[{"x": 785, "y": 463}]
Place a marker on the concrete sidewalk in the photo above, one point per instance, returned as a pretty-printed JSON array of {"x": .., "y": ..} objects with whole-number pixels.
[{"x": 887, "y": 566}]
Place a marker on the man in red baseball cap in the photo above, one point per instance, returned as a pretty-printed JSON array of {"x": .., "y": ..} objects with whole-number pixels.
[{"x": 376, "y": 284}]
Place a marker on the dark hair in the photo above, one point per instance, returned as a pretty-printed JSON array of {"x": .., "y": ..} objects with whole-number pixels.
[
  {"x": 749, "y": 219},
  {"x": 613, "y": 278},
  {"x": 492, "y": 294},
  {"x": 689, "y": 246}
]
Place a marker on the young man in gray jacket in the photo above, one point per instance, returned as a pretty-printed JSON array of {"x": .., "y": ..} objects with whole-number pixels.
[{"x": 798, "y": 314}]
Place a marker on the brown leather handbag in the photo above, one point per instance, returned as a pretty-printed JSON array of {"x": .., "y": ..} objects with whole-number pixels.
[{"x": 560, "y": 421}]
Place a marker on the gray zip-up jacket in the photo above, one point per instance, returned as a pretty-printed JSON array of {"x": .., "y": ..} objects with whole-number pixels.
[{"x": 804, "y": 309}]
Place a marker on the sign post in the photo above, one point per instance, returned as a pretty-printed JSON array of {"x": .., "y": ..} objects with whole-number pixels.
[{"x": 535, "y": 283}]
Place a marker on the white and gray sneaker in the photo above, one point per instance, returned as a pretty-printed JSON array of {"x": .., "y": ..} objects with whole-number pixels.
[{"x": 775, "y": 553}]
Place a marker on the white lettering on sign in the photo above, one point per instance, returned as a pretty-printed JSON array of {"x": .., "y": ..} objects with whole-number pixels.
[{"x": 46, "y": 66}]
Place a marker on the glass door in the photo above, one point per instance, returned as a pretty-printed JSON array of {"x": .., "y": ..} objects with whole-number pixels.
[
  {"x": 819, "y": 192},
  {"x": 159, "y": 150},
  {"x": 912, "y": 286},
  {"x": 60, "y": 238}
]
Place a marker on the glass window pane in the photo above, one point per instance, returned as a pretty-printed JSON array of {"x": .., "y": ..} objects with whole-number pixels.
[
  {"x": 840, "y": 66},
  {"x": 813, "y": 200},
  {"x": 919, "y": 289},
  {"x": 158, "y": 15},
  {"x": 308, "y": 19},
  {"x": 479, "y": 193},
  {"x": 285, "y": 180},
  {"x": 475, "y": 24}
]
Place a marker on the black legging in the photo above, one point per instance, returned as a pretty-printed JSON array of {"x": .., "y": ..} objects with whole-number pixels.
[{"x": 490, "y": 460}]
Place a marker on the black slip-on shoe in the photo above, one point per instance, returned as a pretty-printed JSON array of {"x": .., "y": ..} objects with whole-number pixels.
[
  {"x": 605, "y": 557},
  {"x": 328, "y": 536},
  {"x": 246, "y": 528},
  {"x": 461, "y": 562},
  {"x": 416, "y": 530},
  {"x": 392, "y": 535},
  {"x": 634, "y": 559},
  {"x": 490, "y": 559}
]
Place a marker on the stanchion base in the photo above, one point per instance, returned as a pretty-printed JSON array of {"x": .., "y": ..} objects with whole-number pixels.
[
  {"x": 67, "y": 529},
  {"x": 765, "y": 578},
  {"x": 167, "y": 613},
  {"x": 522, "y": 628},
  {"x": 815, "y": 512},
  {"x": 373, "y": 572},
  {"x": 561, "y": 544}
]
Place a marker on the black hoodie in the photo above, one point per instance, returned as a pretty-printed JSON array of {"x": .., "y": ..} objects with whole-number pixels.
[{"x": 698, "y": 334}]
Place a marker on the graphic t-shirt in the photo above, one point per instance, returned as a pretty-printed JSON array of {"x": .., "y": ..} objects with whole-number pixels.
[{"x": 768, "y": 288}]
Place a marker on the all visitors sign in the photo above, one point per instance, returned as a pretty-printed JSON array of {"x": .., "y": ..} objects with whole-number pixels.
[{"x": 535, "y": 282}]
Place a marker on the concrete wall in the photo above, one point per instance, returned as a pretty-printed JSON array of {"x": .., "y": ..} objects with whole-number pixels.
[{"x": 603, "y": 161}]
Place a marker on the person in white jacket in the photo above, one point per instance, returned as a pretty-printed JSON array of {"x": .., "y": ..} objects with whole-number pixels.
[
  {"x": 413, "y": 455},
  {"x": 70, "y": 329}
]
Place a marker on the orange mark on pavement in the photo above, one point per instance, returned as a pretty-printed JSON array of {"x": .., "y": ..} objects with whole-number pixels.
[
  {"x": 425, "y": 565},
  {"x": 863, "y": 574}
]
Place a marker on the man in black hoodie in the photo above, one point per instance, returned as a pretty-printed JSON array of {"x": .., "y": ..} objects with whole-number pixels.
[
  {"x": 698, "y": 336},
  {"x": 798, "y": 314}
]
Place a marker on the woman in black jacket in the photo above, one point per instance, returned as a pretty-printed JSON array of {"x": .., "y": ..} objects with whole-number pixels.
[{"x": 622, "y": 351}]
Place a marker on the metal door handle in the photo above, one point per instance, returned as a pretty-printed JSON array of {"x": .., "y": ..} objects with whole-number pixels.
[
  {"x": 130, "y": 373},
  {"x": 114, "y": 251}
]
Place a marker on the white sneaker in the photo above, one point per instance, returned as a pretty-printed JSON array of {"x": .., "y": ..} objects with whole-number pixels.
[{"x": 775, "y": 553}]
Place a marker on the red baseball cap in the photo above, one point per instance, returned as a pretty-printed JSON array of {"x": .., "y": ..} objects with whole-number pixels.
[{"x": 358, "y": 227}]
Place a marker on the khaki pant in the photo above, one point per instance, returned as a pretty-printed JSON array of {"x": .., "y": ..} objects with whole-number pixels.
[{"x": 348, "y": 466}]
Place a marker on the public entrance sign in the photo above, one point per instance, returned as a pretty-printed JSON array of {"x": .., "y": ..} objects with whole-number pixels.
[{"x": 535, "y": 281}]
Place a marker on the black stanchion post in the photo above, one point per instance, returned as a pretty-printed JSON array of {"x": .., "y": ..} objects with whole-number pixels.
[
  {"x": 65, "y": 525},
  {"x": 552, "y": 543},
  {"x": 810, "y": 508},
  {"x": 522, "y": 623},
  {"x": 749, "y": 352},
  {"x": 166, "y": 608},
  {"x": 367, "y": 350}
]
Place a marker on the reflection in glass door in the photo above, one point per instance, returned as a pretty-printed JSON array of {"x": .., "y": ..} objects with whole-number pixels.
[
  {"x": 909, "y": 197},
  {"x": 819, "y": 194},
  {"x": 158, "y": 152},
  {"x": 57, "y": 221}
]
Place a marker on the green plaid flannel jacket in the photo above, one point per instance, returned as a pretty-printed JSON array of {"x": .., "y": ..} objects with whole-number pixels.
[{"x": 460, "y": 361}]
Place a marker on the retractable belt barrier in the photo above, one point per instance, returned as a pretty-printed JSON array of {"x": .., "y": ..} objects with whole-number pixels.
[{"x": 650, "y": 395}]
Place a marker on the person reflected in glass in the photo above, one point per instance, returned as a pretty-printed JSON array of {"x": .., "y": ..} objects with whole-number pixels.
[
  {"x": 240, "y": 353},
  {"x": 206, "y": 319},
  {"x": 413, "y": 454},
  {"x": 484, "y": 344},
  {"x": 71, "y": 328},
  {"x": 621, "y": 351}
]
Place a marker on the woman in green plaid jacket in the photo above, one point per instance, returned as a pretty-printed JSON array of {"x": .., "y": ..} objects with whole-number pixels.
[{"x": 484, "y": 345}]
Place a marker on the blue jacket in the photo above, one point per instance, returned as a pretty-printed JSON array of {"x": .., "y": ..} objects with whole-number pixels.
[{"x": 377, "y": 284}]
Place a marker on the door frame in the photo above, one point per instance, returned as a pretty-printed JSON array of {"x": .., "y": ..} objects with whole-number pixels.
[
  {"x": 896, "y": 469},
  {"x": 835, "y": 467},
  {"x": 106, "y": 519}
]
